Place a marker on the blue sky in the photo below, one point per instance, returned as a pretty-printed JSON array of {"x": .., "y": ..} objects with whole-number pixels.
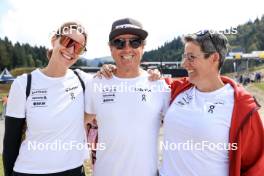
[
  {"x": 33, "y": 21},
  {"x": 4, "y": 7}
]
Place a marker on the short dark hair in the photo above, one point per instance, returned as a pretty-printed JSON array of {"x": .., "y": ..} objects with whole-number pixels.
[{"x": 210, "y": 42}]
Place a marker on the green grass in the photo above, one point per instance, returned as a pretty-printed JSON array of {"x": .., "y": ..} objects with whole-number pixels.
[
  {"x": 260, "y": 85},
  {"x": 19, "y": 71},
  {"x": 1, "y": 107},
  {"x": 257, "y": 68},
  {"x": 87, "y": 167},
  {"x": 1, "y": 166},
  {"x": 4, "y": 88}
]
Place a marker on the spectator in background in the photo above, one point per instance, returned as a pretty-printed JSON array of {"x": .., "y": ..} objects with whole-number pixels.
[
  {"x": 241, "y": 79},
  {"x": 4, "y": 103},
  {"x": 258, "y": 77}
]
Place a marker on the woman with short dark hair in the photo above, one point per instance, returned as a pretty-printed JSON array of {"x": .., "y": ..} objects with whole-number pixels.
[{"x": 212, "y": 126}]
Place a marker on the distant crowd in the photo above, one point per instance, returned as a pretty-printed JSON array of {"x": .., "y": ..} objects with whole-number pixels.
[{"x": 249, "y": 78}]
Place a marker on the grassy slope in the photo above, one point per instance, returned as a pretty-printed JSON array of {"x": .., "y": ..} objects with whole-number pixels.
[
  {"x": 1, "y": 167},
  {"x": 260, "y": 86}
]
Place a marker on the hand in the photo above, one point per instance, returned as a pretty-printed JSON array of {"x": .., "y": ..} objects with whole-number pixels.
[
  {"x": 89, "y": 118},
  {"x": 154, "y": 75},
  {"x": 106, "y": 71}
]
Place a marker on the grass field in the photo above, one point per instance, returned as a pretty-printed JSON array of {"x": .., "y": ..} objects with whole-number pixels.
[
  {"x": 1, "y": 107},
  {"x": 1, "y": 167},
  {"x": 260, "y": 85},
  {"x": 4, "y": 88}
]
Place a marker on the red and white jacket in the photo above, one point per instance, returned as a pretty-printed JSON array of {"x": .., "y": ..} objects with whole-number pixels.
[{"x": 246, "y": 129}]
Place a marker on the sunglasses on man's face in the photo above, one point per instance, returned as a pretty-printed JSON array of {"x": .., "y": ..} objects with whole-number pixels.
[
  {"x": 121, "y": 43},
  {"x": 68, "y": 42}
]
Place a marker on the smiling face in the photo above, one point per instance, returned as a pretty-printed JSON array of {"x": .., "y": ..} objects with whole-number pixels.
[
  {"x": 200, "y": 69},
  {"x": 127, "y": 58},
  {"x": 65, "y": 55}
]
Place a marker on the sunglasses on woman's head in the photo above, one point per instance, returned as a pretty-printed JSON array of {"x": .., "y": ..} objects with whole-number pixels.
[
  {"x": 68, "y": 42},
  {"x": 207, "y": 33},
  {"x": 121, "y": 43}
]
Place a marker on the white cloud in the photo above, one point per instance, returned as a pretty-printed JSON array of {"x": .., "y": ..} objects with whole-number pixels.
[{"x": 32, "y": 21}]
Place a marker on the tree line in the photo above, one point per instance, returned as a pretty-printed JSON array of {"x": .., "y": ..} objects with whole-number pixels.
[
  {"x": 21, "y": 55},
  {"x": 249, "y": 37}
]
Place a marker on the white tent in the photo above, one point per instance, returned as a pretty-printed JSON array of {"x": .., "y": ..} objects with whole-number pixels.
[{"x": 6, "y": 76}]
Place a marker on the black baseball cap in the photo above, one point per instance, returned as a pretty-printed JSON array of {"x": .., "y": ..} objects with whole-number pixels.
[{"x": 127, "y": 26}]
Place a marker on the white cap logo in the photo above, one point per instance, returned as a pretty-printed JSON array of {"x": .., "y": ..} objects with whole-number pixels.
[{"x": 126, "y": 26}]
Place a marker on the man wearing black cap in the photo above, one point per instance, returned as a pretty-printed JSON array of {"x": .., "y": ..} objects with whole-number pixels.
[
  {"x": 127, "y": 107},
  {"x": 126, "y": 41}
]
